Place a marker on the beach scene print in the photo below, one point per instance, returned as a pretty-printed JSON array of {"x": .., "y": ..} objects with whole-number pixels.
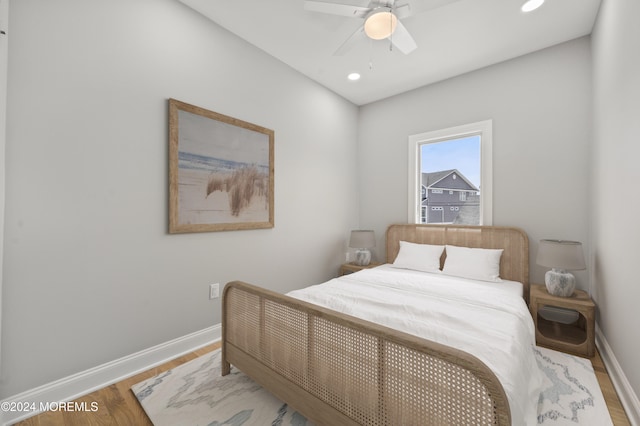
[{"x": 223, "y": 172}]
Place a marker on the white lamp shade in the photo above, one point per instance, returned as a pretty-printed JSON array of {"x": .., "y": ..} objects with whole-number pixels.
[
  {"x": 362, "y": 239},
  {"x": 560, "y": 254},
  {"x": 380, "y": 23}
]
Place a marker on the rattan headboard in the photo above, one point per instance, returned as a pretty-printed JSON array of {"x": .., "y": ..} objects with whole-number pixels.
[{"x": 514, "y": 264}]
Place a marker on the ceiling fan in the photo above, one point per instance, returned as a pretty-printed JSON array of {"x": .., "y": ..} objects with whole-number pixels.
[{"x": 381, "y": 21}]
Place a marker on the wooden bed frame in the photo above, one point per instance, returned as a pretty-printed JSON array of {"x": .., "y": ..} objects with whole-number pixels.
[{"x": 336, "y": 369}]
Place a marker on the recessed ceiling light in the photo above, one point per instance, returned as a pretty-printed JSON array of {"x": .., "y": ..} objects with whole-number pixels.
[
  {"x": 530, "y": 5},
  {"x": 354, "y": 76}
]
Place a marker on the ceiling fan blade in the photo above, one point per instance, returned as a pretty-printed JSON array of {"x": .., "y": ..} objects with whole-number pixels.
[
  {"x": 403, "y": 40},
  {"x": 402, "y": 10},
  {"x": 336, "y": 9},
  {"x": 354, "y": 39}
]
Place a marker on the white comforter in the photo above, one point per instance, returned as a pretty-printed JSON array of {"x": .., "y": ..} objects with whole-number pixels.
[{"x": 484, "y": 320}]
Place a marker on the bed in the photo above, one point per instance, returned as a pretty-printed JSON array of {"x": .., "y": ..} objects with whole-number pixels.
[{"x": 326, "y": 352}]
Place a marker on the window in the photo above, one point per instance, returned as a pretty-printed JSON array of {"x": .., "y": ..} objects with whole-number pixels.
[{"x": 456, "y": 160}]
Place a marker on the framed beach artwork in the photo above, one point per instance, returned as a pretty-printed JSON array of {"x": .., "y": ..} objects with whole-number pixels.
[{"x": 220, "y": 172}]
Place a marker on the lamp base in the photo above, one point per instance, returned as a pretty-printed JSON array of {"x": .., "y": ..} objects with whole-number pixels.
[
  {"x": 363, "y": 257},
  {"x": 560, "y": 283}
]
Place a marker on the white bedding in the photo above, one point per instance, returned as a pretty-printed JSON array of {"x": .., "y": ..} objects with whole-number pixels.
[{"x": 489, "y": 320}]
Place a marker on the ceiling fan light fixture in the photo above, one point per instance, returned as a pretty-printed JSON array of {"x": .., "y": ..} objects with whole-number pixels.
[
  {"x": 380, "y": 23},
  {"x": 531, "y": 5}
]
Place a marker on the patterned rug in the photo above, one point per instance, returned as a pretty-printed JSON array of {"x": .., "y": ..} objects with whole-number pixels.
[{"x": 195, "y": 394}]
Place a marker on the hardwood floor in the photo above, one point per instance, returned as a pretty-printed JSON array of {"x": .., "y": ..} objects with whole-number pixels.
[
  {"x": 118, "y": 406},
  {"x": 618, "y": 416}
]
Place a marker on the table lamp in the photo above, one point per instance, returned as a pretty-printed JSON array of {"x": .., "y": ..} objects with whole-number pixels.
[
  {"x": 362, "y": 240},
  {"x": 561, "y": 256}
]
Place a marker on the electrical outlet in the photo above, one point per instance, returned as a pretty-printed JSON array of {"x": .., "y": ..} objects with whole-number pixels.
[{"x": 214, "y": 291}]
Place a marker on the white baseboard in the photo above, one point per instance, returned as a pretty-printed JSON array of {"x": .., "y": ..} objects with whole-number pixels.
[
  {"x": 77, "y": 385},
  {"x": 627, "y": 396}
]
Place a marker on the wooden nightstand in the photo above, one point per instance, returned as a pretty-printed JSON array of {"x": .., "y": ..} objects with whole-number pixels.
[
  {"x": 577, "y": 338},
  {"x": 350, "y": 268}
]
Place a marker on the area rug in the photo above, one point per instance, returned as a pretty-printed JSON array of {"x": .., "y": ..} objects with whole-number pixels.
[{"x": 195, "y": 394}]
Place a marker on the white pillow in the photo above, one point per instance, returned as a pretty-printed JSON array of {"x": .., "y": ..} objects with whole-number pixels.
[
  {"x": 420, "y": 257},
  {"x": 474, "y": 263}
]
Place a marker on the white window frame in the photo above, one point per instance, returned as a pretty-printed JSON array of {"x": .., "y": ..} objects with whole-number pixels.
[{"x": 482, "y": 128}]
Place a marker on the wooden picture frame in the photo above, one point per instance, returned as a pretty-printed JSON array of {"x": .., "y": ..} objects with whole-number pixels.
[{"x": 221, "y": 173}]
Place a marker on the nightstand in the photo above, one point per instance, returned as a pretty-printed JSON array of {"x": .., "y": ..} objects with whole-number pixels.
[
  {"x": 350, "y": 268},
  {"x": 578, "y": 337}
]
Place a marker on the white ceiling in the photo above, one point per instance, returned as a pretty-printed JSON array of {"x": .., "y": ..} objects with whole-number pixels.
[{"x": 453, "y": 37}]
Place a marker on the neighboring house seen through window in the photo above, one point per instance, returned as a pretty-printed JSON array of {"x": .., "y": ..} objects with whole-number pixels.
[{"x": 450, "y": 175}]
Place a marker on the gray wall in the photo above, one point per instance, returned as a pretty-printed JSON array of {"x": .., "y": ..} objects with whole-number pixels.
[
  {"x": 616, "y": 153},
  {"x": 4, "y": 25},
  {"x": 90, "y": 273},
  {"x": 540, "y": 105}
]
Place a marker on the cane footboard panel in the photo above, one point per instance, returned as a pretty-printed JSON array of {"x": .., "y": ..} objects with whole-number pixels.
[{"x": 337, "y": 369}]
